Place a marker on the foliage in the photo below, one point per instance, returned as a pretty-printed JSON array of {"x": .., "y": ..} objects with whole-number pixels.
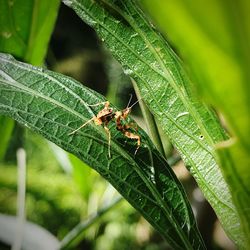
[
  {"x": 218, "y": 59},
  {"x": 26, "y": 27},
  {"x": 166, "y": 89},
  {"x": 48, "y": 189},
  {"x": 144, "y": 179},
  {"x": 54, "y": 105}
]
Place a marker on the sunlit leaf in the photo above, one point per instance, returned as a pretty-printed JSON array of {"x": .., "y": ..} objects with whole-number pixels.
[
  {"x": 54, "y": 105},
  {"x": 165, "y": 87}
]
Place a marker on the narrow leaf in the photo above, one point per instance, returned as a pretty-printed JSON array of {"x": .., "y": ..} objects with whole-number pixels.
[
  {"x": 54, "y": 105},
  {"x": 165, "y": 87}
]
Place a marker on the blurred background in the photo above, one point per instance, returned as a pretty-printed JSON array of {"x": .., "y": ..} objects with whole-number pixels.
[{"x": 61, "y": 190}]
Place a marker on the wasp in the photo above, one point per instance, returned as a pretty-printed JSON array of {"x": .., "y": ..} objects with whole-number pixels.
[{"x": 106, "y": 115}]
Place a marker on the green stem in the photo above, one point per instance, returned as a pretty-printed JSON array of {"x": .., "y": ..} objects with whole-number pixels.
[{"x": 75, "y": 234}]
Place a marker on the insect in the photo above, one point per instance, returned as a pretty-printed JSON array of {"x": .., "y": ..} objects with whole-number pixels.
[
  {"x": 107, "y": 114},
  {"x": 124, "y": 128}
]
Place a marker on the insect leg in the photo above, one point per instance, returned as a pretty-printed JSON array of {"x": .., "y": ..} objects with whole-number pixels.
[
  {"x": 130, "y": 125},
  {"x": 133, "y": 136},
  {"x": 124, "y": 130},
  {"x": 84, "y": 124}
]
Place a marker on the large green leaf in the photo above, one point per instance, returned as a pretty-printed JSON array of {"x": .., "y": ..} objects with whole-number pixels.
[
  {"x": 165, "y": 87},
  {"x": 215, "y": 45},
  {"x": 54, "y": 105}
]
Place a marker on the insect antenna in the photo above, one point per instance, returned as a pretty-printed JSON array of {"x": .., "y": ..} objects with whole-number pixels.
[
  {"x": 130, "y": 98},
  {"x": 133, "y": 104}
]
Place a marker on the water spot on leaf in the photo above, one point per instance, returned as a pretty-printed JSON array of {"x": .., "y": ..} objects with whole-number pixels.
[{"x": 128, "y": 71}]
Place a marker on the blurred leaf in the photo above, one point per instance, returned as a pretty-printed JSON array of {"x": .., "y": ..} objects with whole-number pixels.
[
  {"x": 235, "y": 162},
  {"x": 54, "y": 105},
  {"x": 214, "y": 40},
  {"x": 26, "y": 27},
  {"x": 216, "y": 49},
  {"x": 25, "y": 30},
  {"x": 6, "y": 126},
  {"x": 165, "y": 87},
  {"x": 34, "y": 236}
]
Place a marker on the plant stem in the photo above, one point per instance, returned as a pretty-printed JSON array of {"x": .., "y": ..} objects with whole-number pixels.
[{"x": 75, "y": 234}]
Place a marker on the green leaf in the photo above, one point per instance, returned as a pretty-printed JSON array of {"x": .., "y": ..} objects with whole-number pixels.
[
  {"x": 215, "y": 45},
  {"x": 25, "y": 30},
  {"x": 54, "y": 105},
  {"x": 166, "y": 89},
  {"x": 235, "y": 163},
  {"x": 26, "y": 27}
]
